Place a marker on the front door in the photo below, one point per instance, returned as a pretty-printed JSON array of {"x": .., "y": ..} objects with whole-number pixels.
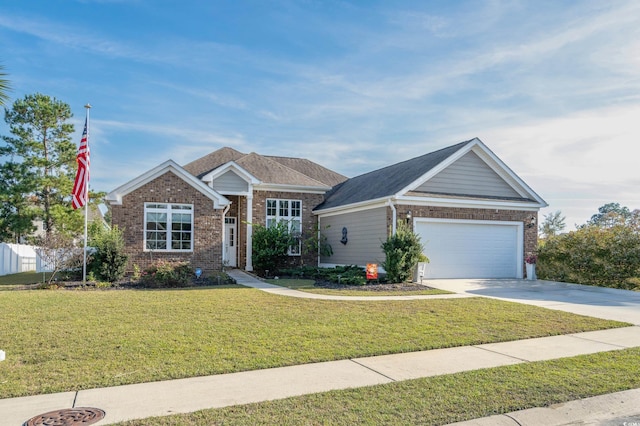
[{"x": 230, "y": 241}]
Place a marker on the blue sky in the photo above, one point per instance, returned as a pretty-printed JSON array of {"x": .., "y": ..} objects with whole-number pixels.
[{"x": 552, "y": 87}]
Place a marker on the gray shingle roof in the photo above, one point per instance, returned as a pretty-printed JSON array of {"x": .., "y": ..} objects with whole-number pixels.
[
  {"x": 268, "y": 169},
  {"x": 311, "y": 169},
  {"x": 387, "y": 181},
  {"x": 212, "y": 161}
]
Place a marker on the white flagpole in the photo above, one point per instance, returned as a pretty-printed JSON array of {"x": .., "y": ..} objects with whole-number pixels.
[{"x": 86, "y": 209}]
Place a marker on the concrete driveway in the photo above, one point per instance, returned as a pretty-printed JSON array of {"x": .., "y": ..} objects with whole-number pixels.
[{"x": 599, "y": 302}]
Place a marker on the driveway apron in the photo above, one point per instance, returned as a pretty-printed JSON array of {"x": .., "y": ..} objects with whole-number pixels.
[{"x": 599, "y": 302}]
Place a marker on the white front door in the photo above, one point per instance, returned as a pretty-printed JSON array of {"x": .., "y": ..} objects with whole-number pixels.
[{"x": 230, "y": 242}]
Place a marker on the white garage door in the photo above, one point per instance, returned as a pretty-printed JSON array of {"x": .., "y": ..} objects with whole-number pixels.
[{"x": 471, "y": 249}]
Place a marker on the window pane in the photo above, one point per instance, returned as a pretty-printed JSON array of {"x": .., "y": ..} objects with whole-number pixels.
[
  {"x": 284, "y": 208},
  {"x": 296, "y": 210},
  {"x": 271, "y": 207}
]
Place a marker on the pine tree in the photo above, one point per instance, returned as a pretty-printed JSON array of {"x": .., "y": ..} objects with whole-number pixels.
[{"x": 40, "y": 148}]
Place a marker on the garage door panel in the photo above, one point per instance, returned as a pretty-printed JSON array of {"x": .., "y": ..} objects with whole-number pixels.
[{"x": 470, "y": 249}]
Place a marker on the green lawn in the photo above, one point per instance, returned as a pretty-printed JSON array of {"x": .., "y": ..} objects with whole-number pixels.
[
  {"x": 436, "y": 400},
  {"x": 69, "y": 340},
  {"x": 8, "y": 282},
  {"x": 308, "y": 286}
]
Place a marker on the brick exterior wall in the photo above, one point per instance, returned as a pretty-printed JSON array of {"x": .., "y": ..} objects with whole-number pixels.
[
  {"x": 168, "y": 188},
  {"x": 530, "y": 233},
  {"x": 309, "y": 220}
]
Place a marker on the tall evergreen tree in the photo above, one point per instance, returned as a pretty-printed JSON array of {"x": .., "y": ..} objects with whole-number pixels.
[{"x": 40, "y": 148}]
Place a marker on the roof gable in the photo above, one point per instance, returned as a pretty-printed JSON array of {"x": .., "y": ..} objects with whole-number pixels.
[
  {"x": 452, "y": 171},
  {"x": 386, "y": 182},
  {"x": 469, "y": 175},
  {"x": 170, "y": 166}
]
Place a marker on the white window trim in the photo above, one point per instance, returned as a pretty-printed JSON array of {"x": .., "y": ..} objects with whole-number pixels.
[
  {"x": 168, "y": 211},
  {"x": 289, "y": 219}
]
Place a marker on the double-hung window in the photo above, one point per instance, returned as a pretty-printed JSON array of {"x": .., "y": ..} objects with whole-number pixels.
[
  {"x": 168, "y": 227},
  {"x": 290, "y": 213}
]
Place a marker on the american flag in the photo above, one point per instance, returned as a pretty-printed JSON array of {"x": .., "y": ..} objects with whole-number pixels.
[{"x": 80, "y": 185}]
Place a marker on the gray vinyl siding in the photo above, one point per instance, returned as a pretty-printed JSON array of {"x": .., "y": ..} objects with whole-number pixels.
[
  {"x": 230, "y": 182},
  {"x": 365, "y": 232},
  {"x": 469, "y": 176}
]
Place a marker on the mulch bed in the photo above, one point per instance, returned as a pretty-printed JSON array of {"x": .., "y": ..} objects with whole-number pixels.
[{"x": 373, "y": 287}]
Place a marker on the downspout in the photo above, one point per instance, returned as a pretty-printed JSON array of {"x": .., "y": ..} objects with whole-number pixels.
[
  {"x": 249, "y": 249},
  {"x": 318, "y": 237},
  {"x": 394, "y": 216}
]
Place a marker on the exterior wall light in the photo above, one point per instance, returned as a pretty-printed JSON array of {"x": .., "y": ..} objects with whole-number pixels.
[{"x": 532, "y": 222}]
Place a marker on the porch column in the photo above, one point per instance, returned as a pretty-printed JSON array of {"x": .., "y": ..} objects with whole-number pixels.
[{"x": 249, "y": 264}]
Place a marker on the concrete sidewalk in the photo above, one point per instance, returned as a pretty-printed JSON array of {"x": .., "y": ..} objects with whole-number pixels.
[{"x": 187, "y": 395}]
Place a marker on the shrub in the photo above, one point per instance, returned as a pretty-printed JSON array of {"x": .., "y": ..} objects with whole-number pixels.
[
  {"x": 346, "y": 275},
  {"x": 163, "y": 274},
  {"x": 592, "y": 255},
  {"x": 403, "y": 251},
  {"x": 271, "y": 247},
  {"x": 108, "y": 262}
]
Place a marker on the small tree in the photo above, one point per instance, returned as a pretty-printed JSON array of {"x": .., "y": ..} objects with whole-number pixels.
[
  {"x": 318, "y": 243},
  {"x": 271, "y": 246},
  {"x": 58, "y": 252},
  {"x": 553, "y": 224},
  {"x": 403, "y": 251},
  {"x": 108, "y": 262}
]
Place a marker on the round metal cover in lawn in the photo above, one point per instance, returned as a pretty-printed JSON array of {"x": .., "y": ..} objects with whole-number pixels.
[{"x": 67, "y": 417}]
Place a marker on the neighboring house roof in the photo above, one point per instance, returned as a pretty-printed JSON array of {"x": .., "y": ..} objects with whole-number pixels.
[
  {"x": 269, "y": 170},
  {"x": 170, "y": 166},
  {"x": 409, "y": 178}
]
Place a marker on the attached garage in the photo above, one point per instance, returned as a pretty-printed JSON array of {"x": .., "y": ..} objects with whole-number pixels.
[{"x": 471, "y": 248}]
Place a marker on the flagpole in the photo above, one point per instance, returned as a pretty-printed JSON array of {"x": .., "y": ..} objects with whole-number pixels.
[{"x": 86, "y": 211}]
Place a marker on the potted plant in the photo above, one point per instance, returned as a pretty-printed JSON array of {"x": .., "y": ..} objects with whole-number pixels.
[{"x": 531, "y": 266}]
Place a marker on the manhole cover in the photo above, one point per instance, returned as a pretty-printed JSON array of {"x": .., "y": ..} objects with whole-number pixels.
[{"x": 67, "y": 417}]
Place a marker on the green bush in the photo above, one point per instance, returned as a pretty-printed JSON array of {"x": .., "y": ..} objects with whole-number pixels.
[
  {"x": 592, "y": 255},
  {"x": 271, "y": 247},
  {"x": 163, "y": 274},
  {"x": 108, "y": 262},
  {"x": 347, "y": 275},
  {"x": 403, "y": 251}
]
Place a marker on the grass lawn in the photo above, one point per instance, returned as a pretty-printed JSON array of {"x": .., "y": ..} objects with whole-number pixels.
[
  {"x": 8, "y": 282},
  {"x": 437, "y": 400},
  {"x": 308, "y": 286},
  {"x": 69, "y": 340}
]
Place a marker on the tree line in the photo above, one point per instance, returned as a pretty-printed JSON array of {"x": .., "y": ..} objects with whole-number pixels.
[{"x": 604, "y": 251}]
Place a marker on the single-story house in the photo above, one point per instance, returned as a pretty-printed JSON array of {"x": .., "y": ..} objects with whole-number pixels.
[
  {"x": 205, "y": 211},
  {"x": 475, "y": 216}
]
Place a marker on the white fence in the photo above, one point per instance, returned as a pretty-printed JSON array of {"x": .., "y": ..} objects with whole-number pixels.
[{"x": 15, "y": 258}]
